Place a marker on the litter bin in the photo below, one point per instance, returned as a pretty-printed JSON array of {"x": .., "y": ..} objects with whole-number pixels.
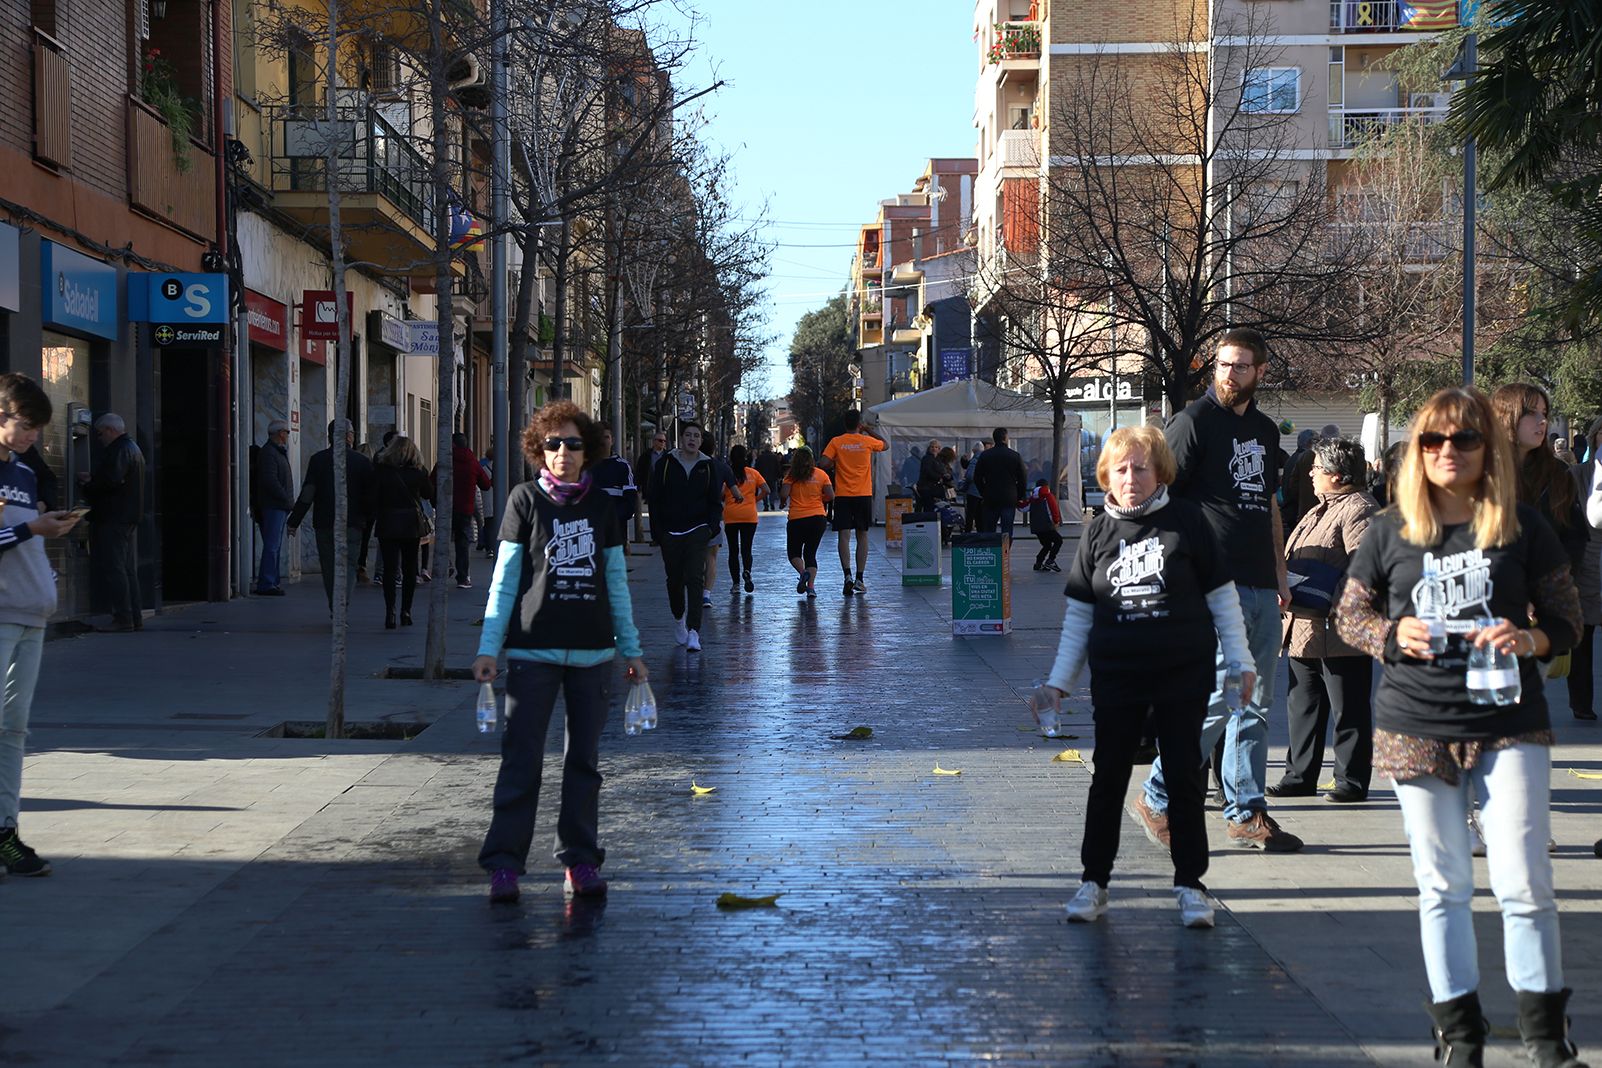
[
  {"x": 981, "y": 585},
  {"x": 896, "y": 506},
  {"x": 920, "y": 549}
]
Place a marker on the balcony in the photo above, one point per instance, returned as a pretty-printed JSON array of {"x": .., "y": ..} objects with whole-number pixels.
[
  {"x": 181, "y": 193},
  {"x": 386, "y": 205},
  {"x": 1391, "y": 16},
  {"x": 871, "y": 331},
  {"x": 1348, "y": 129},
  {"x": 1015, "y": 41}
]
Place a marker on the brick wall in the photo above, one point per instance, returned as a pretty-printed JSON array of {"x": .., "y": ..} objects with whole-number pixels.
[{"x": 1083, "y": 21}]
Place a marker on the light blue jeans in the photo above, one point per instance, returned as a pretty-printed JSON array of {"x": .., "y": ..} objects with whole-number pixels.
[
  {"x": 20, "y": 649},
  {"x": 1514, "y": 787},
  {"x": 1245, "y": 736}
]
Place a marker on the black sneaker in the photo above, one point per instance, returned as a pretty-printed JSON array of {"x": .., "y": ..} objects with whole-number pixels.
[
  {"x": 1051, "y": 565},
  {"x": 801, "y": 584},
  {"x": 18, "y": 859},
  {"x": 750, "y": 587},
  {"x": 1039, "y": 566},
  {"x": 850, "y": 588}
]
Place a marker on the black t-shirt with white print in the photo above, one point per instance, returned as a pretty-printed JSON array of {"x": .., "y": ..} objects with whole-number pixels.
[
  {"x": 1147, "y": 580},
  {"x": 562, "y": 601},
  {"x": 1229, "y": 464},
  {"x": 1429, "y": 698}
]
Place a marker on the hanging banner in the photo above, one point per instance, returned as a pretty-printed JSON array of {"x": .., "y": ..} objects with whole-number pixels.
[{"x": 319, "y": 319}]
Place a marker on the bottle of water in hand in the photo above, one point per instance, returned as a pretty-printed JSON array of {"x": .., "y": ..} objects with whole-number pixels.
[
  {"x": 488, "y": 713},
  {"x": 1234, "y": 683},
  {"x": 639, "y": 709},
  {"x": 1493, "y": 676},
  {"x": 1044, "y": 703},
  {"x": 1429, "y": 613}
]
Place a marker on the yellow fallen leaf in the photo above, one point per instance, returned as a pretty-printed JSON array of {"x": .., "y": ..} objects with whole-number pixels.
[
  {"x": 735, "y": 901},
  {"x": 700, "y": 790},
  {"x": 1584, "y": 774},
  {"x": 855, "y": 734},
  {"x": 938, "y": 770},
  {"x": 1069, "y": 755},
  {"x": 1327, "y": 785}
]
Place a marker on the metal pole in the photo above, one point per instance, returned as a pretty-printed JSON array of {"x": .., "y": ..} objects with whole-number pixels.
[
  {"x": 1471, "y": 53},
  {"x": 500, "y": 170}
]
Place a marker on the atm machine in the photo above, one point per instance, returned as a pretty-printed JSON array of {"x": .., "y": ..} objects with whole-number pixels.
[{"x": 80, "y": 423}]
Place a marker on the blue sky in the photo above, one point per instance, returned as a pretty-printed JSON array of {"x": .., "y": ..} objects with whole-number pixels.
[{"x": 831, "y": 107}]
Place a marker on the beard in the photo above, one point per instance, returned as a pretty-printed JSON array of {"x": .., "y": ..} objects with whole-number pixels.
[{"x": 1230, "y": 394}]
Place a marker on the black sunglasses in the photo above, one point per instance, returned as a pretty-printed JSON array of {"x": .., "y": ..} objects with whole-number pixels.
[
  {"x": 1462, "y": 440},
  {"x": 573, "y": 444}
]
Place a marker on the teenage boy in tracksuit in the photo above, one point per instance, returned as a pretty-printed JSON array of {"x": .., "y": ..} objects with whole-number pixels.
[{"x": 27, "y": 599}]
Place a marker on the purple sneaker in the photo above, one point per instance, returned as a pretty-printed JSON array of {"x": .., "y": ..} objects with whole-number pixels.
[
  {"x": 503, "y": 886},
  {"x": 584, "y": 881}
]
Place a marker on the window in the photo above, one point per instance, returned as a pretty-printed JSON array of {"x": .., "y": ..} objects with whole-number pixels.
[
  {"x": 1018, "y": 116},
  {"x": 245, "y": 49},
  {"x": 1337, "y": 78},
  {"x": 1271, "y": 91}
]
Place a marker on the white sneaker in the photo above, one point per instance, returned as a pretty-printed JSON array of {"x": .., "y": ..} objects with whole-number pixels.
[
  {"x": 693, "y": 643},
  {"x": 1194, "y": 908},
  {"x": 706, "y": 599},
  {"x": 1088, "y": 904},
  {"x": 681, "y": 633}
]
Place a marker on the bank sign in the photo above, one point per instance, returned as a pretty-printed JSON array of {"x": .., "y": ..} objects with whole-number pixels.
[
  {"x": 79, "y": 293},
  {"x": 178, "y": 299}
]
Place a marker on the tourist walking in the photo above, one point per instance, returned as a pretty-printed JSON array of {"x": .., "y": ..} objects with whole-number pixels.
[
  {"x": 273, "y": 494},
  {"x": 560, "y": 636},
  {"x": 849, "y": 458},
  {"x": 1044, "y": 519},
  {"x": 740, "y": 516},
  {"x": 1148, "y": 580},
  {"x": 399, "y": 488},
  {"x": 807, "y": 493},
  {"x": 685, "y": 495},
  {"x": 1459, "y": 546},
  {"x": 1328, "y": 678}
]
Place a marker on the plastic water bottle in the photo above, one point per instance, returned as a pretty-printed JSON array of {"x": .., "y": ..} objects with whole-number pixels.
[
  {"x": 1234, "y": 682},
  {"x": 639, "y": 709},
  {"x": 1493, "y": 676},
  {"x": 1429, "y": 613},
  {"x": 631, "y": 712},
  {"x": 647, "y": 707},
  {"x": 1045, "y": 704},
  {"x": 488, "y": 712}
]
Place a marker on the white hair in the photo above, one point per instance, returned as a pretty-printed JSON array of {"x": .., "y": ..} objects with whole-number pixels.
[{"x": 111, "y": 421}]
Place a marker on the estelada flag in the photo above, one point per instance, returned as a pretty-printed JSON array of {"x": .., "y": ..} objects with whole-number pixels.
[{"x": 1425, "y": 15}]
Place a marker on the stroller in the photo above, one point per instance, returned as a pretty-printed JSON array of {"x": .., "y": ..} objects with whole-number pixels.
[{"x": 950, "y": 520}]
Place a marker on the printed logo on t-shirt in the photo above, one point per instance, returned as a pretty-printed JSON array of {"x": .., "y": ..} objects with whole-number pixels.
[
  {"x": 571, "y": 550},
  {"x": 1246, "y": 466},
  {"x": 1462, "y": 581},
  {"x": 1131, "y": 574}
]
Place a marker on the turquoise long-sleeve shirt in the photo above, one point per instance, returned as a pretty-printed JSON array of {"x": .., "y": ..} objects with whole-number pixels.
[{"x": 503, "y": 602}]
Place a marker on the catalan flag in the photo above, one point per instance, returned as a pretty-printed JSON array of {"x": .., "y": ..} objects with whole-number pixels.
[{"x": 1426, "y": 15}]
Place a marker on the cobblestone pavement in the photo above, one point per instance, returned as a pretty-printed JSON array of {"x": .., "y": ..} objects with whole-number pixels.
[{"x": 221, "y": 898}]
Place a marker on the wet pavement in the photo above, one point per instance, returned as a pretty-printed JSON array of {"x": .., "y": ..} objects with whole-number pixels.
[{"x": 224, "y": 898}]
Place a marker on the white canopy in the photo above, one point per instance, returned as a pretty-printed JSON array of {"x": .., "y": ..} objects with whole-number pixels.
[{"x": 964, "y": 412}]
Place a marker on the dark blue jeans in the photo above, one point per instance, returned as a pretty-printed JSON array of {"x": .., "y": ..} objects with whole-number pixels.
[{"x": 272, "y": 543}]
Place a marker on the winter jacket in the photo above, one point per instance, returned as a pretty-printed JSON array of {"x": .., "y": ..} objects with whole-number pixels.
[
  {"x": 27, "y": 584},
  {"x": 317, "y": 491},
  {"x": 1329, "y": 533},
  {"x": 1043, "y": 512},
  {"x": 933, "y": 476},
  {"x": 274, "y": 484},
  {"x": 683, "y": 501},
  {"x": 394, "y": 501},
  {"x": 1588, "y": 575},
  {"x": 117, "y": 488},
  {"x": 466, "y": 475},
  {"x": 1000, "y": 475}
]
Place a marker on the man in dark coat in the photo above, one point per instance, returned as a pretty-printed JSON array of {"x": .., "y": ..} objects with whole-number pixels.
[
  {"x": 1003, "y": 482},
  {"x": 273, "y": 486},
  {"x": 116, "y": 492},
  {"x": 317, "y": 494}
]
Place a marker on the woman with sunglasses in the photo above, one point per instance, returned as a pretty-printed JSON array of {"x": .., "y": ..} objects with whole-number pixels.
[
  {"x": 559, "y": 605},
  {"x": 1457, "y": 545}
]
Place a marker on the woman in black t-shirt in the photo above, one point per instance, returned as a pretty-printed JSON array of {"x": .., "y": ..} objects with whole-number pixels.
[
  {"x": 1148, "y": 584},
  {"x": 1458, "y": 543}
]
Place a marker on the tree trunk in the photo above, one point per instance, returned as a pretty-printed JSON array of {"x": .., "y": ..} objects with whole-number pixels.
[
  {"x": 1059, "y": 419},
  {"x": 517, "y": 354},
  {"x": 434, "y": 647},
  {"x": 564, "y": 249},
  {"x": 342, "y": 563}
]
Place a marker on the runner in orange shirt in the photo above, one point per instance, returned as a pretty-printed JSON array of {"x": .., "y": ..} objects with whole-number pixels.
[
  {"x": 805, "y": 491},
  {"x": 740, "y": 516},
  {"x": 850, "y": 457}
]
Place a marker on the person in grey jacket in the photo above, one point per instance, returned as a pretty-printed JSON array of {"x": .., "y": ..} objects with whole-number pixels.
[
  {"x": 116, "y": 491},
  {"x": 275, "y": 496}
]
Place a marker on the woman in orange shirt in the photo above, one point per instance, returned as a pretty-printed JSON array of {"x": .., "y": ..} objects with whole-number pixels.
[
  {"x": 806, "y": 491},
  {"x": 740, "y": 517}
]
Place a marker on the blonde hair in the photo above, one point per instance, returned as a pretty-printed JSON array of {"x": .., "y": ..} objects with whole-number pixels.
[
  {"x": 400, "y": 452},
  {"x": 1125, "y": 440},
  {"x": 1496, "y": 520}
]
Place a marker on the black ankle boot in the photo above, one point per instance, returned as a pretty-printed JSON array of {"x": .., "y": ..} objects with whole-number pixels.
[
  {"x": 389, "y": 621},
  {"x": 1544, "y": 1026},
  {"x": 1460, "y": 1030},
  {"x": 406, "y": 619}
]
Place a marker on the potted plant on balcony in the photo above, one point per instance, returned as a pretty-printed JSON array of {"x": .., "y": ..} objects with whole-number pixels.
[
  {"x": 159, "y": 89},
  {"x": 1014, "y": 39}
]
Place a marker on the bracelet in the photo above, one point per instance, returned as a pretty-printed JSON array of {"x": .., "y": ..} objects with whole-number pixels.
[{"x": 1531, "y": 639}]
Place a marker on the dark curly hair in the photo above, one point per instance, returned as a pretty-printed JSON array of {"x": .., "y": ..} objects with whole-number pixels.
[{"x": 548, "y": 420}]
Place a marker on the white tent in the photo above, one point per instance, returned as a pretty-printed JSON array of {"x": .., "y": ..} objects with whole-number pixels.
[{"x": 964, "y": 412}]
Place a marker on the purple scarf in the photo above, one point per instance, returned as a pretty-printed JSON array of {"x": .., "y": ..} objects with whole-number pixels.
[{"x": 564, "y": 492}]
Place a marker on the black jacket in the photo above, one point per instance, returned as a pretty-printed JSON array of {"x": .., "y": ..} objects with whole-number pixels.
[
  {"x": 317, "y": 492},
  {"x": 1000, "y": 475},
  {"x": 394, "y": 499},
  {"x": 933, "y": 476},
  {"x": 49, "y": 488},
  {"x": 116, "y": 490},
  {"x": 614, "y": 477},
  {"x": 274, "y": 482},
  {"x": 682, "y": 501}
]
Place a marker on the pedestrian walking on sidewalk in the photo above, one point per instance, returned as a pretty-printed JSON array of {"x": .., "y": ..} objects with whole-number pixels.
[
  {"x": 807, "y": 493},
  {"x": 1148, "y": 577},
  {"x": 1327, "y": 676},
  {"x": 466, "y": 475},
  {"x": 274, "y": 486},
  {"x": 1044, "y": 518},
  {"x": 730, "y": 487},
  {"x": 686, "y": 499},
  {"x": 849, "y": 458},
  {"x": 317, "y": 494},
  {"x": 400, "y": 486},
  {"x": 614, "y": 477},
  {"x": 117, "y": 492},
  {"x": 559, "y": 606},
  {"x": 740, "y": 516},
  {"x": 1003, "y": 482},
  {"x": 27, "y": 599},
  {"x": 1458, "y": 544},
  {"x": 1588, "y": 577},
  {"x": 1227, "y": 452}
]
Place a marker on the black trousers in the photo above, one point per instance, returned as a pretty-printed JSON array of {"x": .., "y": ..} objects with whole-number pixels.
[
  {"x": 802, "y": 538},
  {"x": 1050, "y": 546},
  {"x": 1178, "y": 724},
  {"x": 973, "y": 511},
  {"x": 1581, "y": 682},
  {"x": 739, "y": 539},
  {"x": 367, "y": 539},
  {"x": 531, "y": 690},
  {"x": 114, "y": 562},
  {"x": 1337, "y": 686},
  {"x": 462, "y": 539},
  {"x": 684, "y": 560},
  {"x": 399, "y": 559}
]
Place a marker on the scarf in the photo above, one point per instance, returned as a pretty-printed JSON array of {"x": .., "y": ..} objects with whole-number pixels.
[
  {"x": 564, "y": 492},
  {"x": 1145, "y": 507}
]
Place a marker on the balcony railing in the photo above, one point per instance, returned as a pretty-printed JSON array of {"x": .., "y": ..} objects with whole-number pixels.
[
  {"x": 1386, "y": 16},
  {"x": 184, "y": 194},
  {"x": 372, "y": 157},
  {"x": 1014, "y": 40},
  {"x": 1349, "y": 128},
  {"x": 1019, "y": 148}
]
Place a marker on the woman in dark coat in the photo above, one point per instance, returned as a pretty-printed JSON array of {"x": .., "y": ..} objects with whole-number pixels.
[{"x": 400, "y": 486}]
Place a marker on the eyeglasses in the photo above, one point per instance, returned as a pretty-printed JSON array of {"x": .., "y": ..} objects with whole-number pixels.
[
  {"x": 1233, "y": 369},
  {"x": 573, "y": 444},
  {"x": 22, "y": 424},
  {"x": 1462, "y": 440}
]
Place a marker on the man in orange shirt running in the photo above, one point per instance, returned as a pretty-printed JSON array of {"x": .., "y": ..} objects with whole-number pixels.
[{"x": 849, "y": 458}]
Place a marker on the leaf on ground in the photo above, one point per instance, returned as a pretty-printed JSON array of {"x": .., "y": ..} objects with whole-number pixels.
[
  {"x": 855, "y": 734},
  {"x": 727, "y": 900},
  {"x": 700, "y": 791},
  {"x": 1327, "y": 785},
  {"x": 1069, "y": 756},
  {"x": 1584, "y": 774},
  {"x": 938, "y": 770}
]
